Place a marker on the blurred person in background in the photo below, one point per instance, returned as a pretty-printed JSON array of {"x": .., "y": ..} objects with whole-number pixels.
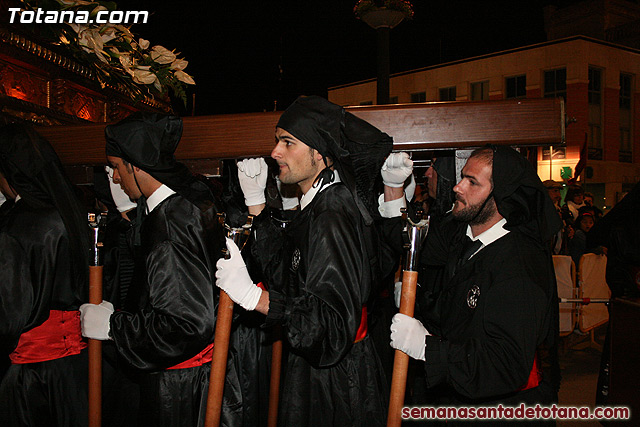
[{"x": 44, "y": 242}]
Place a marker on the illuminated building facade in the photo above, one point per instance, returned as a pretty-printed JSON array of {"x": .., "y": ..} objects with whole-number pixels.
[{"x": 598, "y": 80}]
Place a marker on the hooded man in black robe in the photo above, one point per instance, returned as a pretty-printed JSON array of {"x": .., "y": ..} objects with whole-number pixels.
[
  {"x": 166, "y": 328},
  {"x": 332, "y": 374},
  {"x": 498, "y": 308},
  {"x": 44, "y": 247}
]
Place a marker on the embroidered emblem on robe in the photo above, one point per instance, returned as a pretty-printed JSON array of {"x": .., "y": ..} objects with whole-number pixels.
[
  {"x": 472, "y": 296},
  {"x": 295, "y": 259}
]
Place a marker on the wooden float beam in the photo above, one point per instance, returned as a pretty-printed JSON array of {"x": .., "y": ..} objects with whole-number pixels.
[{"x": 414, "y": 127}]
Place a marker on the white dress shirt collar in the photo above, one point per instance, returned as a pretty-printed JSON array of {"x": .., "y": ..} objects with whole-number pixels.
[
  {"x": 489, "y": 236},
  {"x": 158, "y": 197}
]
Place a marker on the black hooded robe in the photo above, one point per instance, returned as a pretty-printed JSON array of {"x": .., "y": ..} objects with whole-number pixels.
[
  {"x": 172, "y": 316},
  {"x": 43, "y": 280},
  {"x": 175, "y": 314},
  {"x": 328, "y": 380},
  {"x": 484, "y": 352},
  {"x": 35, "y": 277},
  {"x": 499, "y": 310}
]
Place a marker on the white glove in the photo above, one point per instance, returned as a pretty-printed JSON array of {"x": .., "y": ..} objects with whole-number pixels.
[
  {"x": 396, "y": 169},
  {"x": 233, "y": 278},
  {"x": 252, "y": 174},
  {"x": 397, "y": 293},
  {"x": 288, "y": 203},
  {"x": 94, "y": 319},
  {"x": 408, "y": 335}
]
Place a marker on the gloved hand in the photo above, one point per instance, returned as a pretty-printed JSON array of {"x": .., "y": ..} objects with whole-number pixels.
[
  {"x": 396, "y": 169},
  {"x": 233, "y": 278},
  {"x": 94, "y": 319},
  {"x": 252, "y": 174},
  {"x": 408, "y": 335},
  {"x": 288, "y": 203}
]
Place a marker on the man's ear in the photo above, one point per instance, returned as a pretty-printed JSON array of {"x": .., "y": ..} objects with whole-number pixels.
[{"x": 316, "y": 155}]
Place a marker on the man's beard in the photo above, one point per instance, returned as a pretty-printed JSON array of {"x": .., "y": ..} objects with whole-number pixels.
[{"x": 476, "y": 214}]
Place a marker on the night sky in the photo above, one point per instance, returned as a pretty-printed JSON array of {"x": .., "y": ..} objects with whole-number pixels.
[{"x": 236, "y": 48}]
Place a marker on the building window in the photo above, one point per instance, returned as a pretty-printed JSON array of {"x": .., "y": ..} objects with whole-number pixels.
[
  {"x": 625, "y": 153},
  {"x": 625, "y": 91},
  {"x": 366, "y": 103},
  {"x": 480, "y": 91},
  {"x": 555, "y": 83},
  {"x": 419, "y": 97},
  {"x": 595, "y": 86},
  {"x": 447, "y": 93},
  {"x": 595, "y": 113},
  {"x": 516, "y": 87}
]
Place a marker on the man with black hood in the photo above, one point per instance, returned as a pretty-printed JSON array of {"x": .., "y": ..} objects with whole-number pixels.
[
  {"x": 166, "y": 329},
  {"x": 44, "y": 273},
  {"x": 332, "y": 374},
  {"x": 498, "y": 310},
  {"x": 440, "y": 180}
]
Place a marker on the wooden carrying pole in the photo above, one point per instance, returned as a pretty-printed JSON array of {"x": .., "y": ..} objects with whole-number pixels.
[
  {"x": 95, "y": 353},
  {"x": 223, "y": 332},
  {"x": 416, "y": 234},
  {"x": 219, "y": 361},
  {"x": 401, "y": 360},
  {"x": 95, "y": 346},
  {"x": 274, "y": 383}
]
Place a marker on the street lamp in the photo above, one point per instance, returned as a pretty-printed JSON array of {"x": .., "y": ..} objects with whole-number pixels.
[{"x": 382, "y": 16}]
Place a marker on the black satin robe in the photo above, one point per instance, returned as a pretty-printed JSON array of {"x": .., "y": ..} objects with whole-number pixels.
[
  {"x": 35, "y": 277},
  {"x": 174, "y": 317},
  {"x": 484, "y": 352},
  {"x": 328, "y": 379}
]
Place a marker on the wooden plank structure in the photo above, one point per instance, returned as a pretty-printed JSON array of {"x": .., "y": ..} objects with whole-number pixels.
[{"x": 414, "y": 127}]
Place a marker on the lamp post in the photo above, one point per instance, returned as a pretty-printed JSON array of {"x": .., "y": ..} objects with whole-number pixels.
[{"x": 382, "y": 16}]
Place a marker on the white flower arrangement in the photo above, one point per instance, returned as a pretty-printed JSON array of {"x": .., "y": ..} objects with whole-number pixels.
[{"x": 113, "y": 53}]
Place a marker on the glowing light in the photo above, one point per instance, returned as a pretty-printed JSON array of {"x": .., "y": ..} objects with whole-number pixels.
[{"x": 17, "y": 93}]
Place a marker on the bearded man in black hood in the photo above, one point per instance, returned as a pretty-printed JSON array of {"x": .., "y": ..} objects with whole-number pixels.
[{"x": 498, "y": 309}]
